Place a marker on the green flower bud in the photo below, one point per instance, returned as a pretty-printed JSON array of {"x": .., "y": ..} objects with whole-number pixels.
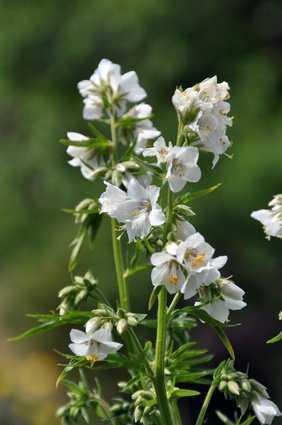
[
  {"x": 121, "y": 326},
  {"x": 233, "y": 387}
]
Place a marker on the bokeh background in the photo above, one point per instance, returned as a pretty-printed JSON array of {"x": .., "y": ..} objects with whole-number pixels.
[{"x": 46, "y": 47}]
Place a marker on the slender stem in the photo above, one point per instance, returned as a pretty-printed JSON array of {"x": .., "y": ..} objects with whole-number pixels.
[
  {"x": 122, "y": 285},
  {"x": 137, "y": 344},
  {"x": 173, "y": 303},
  {"x": 160, "y": 385},
  {"x": 205, "y": 405},
  {"x": 175, "y": 413}
]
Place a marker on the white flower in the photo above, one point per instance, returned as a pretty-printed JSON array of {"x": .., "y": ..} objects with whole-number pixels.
[
  {"x": 229, "y": 297},
  {"x": 159, "y": 149},
  {"x": 271, "y": 219},
  {"x": 144, "y": 129},
  {"x": 93, "y": 344},
  {"x": 186, "y": 101},
  {"x": 167, "y": 270},
  {"x": 182, "y": 167},
  {"x": 196, "y": 256},
  {"x": 83, "y": 157},
  {"x": 108, "y": 87},
  {"x": 183, "y": 229},
  {"x": 204, "y": 111},
  {"x": 265, "y": 410},
  {"x": 137, "y": 208}
]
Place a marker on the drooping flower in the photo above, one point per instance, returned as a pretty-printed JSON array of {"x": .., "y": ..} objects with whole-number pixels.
[
  {"x": 196, "y": 255},
  {"x": 167, "y": 270},
  {"x": 137, "y": 208},
  {"x": 204, "y": 112},
  {"x": 107, "y": 87},
  {"x": 83, "y": 157},
  {"x": 144, "y": 129},
  {"x": 95, "y": 344},
  {"x": 264, "y": 409},
  {"x": 271, "y": 219},
  {"x": 222, "y": 297},
  {"x": 182, "y": 167}
]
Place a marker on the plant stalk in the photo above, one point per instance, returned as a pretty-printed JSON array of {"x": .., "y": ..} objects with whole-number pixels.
[
  {"x": 205, "y": 405},
  {"x": 160, "y": 384},
  {"x": 122, "y": 285}
]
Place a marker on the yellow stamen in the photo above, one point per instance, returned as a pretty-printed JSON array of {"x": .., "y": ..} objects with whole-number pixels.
[
  {"x": 92, "y": 359},
  {"x": 173, "y": 279}
]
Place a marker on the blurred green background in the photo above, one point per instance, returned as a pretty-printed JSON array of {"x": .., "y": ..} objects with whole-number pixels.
[{"x": 46, "y": 47}]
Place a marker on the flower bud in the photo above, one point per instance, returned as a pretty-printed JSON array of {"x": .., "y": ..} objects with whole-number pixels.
[
  {"x": 121, "y": 326},
  {"x": 233, "y": 387},
  {"x": 132, "y": 321},
  {"x": 246, "y": 386},
  {"x": 93, "y": 324},
  {"x": 66, "y": 290},
  {"x": 222, "y": 385}
]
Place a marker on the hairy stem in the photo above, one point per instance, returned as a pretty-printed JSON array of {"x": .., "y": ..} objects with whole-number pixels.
[
  {"x": 160, "y": 384},
  {"x": 122, "y": 285},
  {"x": 205, "y": 405}
]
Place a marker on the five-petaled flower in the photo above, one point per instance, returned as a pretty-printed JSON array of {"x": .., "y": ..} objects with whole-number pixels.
[
  {"x": 95, "y": 344},
  {"x": 137, "y": 208},
  {"x": 167, "y": 270},
  {"x": 223, "y": 297}
]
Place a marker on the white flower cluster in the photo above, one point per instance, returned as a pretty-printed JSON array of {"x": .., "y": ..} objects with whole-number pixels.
[
  {"x": 188, "y": 266},
  {"x": 109, "y": 92},
  {"x": 95, "y": 343},
  {"x": 181, "y": 163},
  {"x": 271, "y": 219},
  {"x": 204, "y": 110},
  {"x": 137, "y": 208}
]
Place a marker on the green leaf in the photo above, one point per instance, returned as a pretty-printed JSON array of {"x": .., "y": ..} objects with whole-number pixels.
[
  {"x": 77, "y": 245},
  {"x": 184, "y": 393},
  {"x": 188, "y": 197},
  {"x": 275, "y": 339},
  {"x": 99, "y": 143},
  {"x": 52, "y": 321},
  {"x": 194, "y": 377},
  {"x": 224, "y": 418},
  {"x": 249, "y": 420},
  {"x": 217, "y": 326}
]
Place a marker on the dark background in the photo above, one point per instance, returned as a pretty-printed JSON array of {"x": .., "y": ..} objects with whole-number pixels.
[{"x": 46, "y": 47}]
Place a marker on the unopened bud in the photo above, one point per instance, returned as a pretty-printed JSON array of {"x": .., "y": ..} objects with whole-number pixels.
[
  {"x": 132, "y": 321},
  {"x": 100, "y": 312},
  {"x": 121, "y": 326},
  {"x": 65, "y": 291},
  {"x": 222, "y": 385},
  {"x": 93, "y": 324},
  {"x": 233, "y": 387},
  {"x": 246, "y": 386}
]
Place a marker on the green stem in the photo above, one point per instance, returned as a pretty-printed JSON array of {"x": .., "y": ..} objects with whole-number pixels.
[
  {"x": 205, "y": 405},
  {"x": 175, "y": 413},
  {"x": 122, "y": 286},
  {"x": 160, "y": 384},
  {"x": 173, "y": 303},
  {"x": 137, "y": 344}
]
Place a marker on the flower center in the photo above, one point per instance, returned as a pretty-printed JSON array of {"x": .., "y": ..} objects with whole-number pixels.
[
  {"x": 92, "y": 359},
  {"x": 178, "y": 168},
  {"x": 144, "y": 206},
  {"x": 195, "y": 258}
]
